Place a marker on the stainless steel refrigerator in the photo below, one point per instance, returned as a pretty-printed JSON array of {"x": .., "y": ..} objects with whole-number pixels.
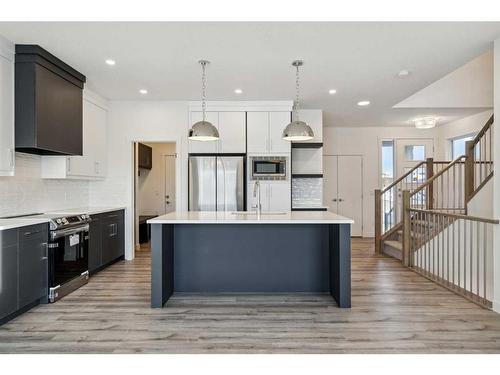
[{"x": 216, "y": 183}]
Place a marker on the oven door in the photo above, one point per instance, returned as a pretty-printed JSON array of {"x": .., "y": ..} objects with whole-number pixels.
[{"x": 68, "y": 254}]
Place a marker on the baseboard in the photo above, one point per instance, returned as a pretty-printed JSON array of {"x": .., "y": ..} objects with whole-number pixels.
[{"x": 496, "y": 306}]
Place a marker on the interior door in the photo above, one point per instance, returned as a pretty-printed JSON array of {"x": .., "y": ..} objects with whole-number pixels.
[
  {"x": 170, "y": 197},
  {"x": 350, "y": 190},
  {"x": 330, "y": 182}
]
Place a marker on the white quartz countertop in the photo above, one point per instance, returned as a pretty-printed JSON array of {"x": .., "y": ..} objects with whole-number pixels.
[
  {"x": 85, "y": 210},
  {"x": 20, "y": 222},
  {"x": 250, "y": 217}
]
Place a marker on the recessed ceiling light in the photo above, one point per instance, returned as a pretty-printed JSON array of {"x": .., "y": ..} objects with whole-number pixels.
[
  {"x": 403, "y": 73},
  {"x": 238, "y": 91},
  {"x": 110, "y": 62},
  {"x": 332, "y": 91},
  {"x": 364, "y": 103},
  {"x": 143, "y": 91}
]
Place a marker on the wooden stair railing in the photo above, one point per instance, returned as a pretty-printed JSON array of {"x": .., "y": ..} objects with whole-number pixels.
[
  {"x": 388, "y": 202},
  {"x": 479, "y": 154}
]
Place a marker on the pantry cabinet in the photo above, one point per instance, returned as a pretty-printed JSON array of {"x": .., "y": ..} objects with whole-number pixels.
[{"x": 92, "y": 164}]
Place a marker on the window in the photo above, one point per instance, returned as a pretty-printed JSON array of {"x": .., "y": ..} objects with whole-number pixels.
[
  {"x": 414, "y": 152},
  {"x": 458, "y": 146},
  {"x": 387, "y": 162}
]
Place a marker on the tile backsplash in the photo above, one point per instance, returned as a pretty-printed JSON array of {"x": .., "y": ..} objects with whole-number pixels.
[
  {"x": 307, "y": 192},
  {"x": 27, "y": 192}
]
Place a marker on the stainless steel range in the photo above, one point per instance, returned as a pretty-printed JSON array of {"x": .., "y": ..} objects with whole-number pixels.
[{"x": 67, "y": 253}]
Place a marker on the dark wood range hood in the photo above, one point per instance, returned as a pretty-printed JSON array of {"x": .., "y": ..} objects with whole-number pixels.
[{"x": 48, "y": 103}]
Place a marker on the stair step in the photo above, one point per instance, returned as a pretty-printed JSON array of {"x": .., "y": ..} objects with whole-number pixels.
[
  {"x": 393, "y": 249},
  {"x": 395, "y": 244},
  {"x": 422, "y": 222},
  {"x": 413, "y": 234}
]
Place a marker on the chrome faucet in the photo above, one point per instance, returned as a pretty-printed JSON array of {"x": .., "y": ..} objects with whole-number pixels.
[{"x": 256, "y": 194}]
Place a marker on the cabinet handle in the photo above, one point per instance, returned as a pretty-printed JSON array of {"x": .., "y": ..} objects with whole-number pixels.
[
  {"x": 271, "y": 145},
  {"x": 31, "y": 233},
  {"x": 46, "y": 252},
  {"x": 69, "y": 165},
  {"x": 12, "y": 157}
]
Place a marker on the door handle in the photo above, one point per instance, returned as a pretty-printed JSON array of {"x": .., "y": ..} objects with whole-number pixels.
[
  {"x": 341, "y": 200},
  {"x": 334, "y": 200}
]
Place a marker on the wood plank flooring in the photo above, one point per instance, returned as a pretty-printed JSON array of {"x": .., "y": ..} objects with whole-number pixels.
[{"x": 394, "y": 311}]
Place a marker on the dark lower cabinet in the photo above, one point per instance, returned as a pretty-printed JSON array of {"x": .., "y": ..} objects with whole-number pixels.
[
  {"x": 95, "y": 253},
  {"x": 8, "y": 272},
  {"x": 23, "y": 269},
  {"x": 107, "y": 239},
  {"x": 33, "y": 264}
]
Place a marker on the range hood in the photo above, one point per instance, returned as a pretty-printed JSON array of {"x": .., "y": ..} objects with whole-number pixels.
[{"x": 48, "y": 103}]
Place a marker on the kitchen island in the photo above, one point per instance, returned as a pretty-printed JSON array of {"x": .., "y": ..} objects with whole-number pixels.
[{"x": 241, "y": 252}]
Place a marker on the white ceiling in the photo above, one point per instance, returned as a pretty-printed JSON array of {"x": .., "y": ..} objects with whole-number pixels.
[{"x": 359, "y": 60}]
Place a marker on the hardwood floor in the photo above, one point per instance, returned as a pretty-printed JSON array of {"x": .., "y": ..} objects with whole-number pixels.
[{"x": 394, "y": 311}]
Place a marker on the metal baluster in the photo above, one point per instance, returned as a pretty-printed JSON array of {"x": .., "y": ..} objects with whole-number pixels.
[
  {"x": 470, "y": 255},
  {"x": 453, "y": 253},
  {"x": 465, "y": 255},
  {"x": 485, "y": 257},
  {"x": 477, "y": 257},
  {"x": 458, "y": 252},
  {"x": 448, "y": 250}
]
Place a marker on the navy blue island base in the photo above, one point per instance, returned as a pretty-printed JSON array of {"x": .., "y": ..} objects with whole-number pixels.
[{"x": 250, "y": 258}]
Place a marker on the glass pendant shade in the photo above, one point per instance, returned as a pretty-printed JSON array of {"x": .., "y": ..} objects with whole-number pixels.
[
  {"x": 297, "y": 131},
  {"x": 203, "y": 131}
]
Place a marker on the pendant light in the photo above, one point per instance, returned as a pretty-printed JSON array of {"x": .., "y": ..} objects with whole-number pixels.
[
  {"x": 203, "y": 130},
  {"x": 297, "y": 131}
]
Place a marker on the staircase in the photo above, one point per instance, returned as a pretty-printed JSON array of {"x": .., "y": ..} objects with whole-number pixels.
[{"x": 422, "y": 220}]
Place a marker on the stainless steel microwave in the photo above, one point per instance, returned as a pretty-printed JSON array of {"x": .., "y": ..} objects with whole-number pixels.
[{"x": 268, "y": 167}]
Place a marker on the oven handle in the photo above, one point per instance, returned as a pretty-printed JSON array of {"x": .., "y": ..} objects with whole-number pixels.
[{"x": 65, "y": 232}]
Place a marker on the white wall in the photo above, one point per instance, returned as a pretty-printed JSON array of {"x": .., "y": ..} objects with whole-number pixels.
[
  {"x": 366, "y": 142},
  {"x": 151, "y": 182},
  {"x": 496, "y": 179},
  {"x": 27, "y": 192},
  {"x": 128, "y": 121},
  {"x": 466, "y": 126}
]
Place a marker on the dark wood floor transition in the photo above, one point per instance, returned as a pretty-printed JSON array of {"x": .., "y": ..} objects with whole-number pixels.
[{"x": 394, "y": 311}]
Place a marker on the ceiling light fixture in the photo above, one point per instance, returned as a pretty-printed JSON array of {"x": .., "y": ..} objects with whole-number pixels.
[
  {"x": 297, "y": 130},
  {"x": 143, "y": 91},
  {"x": 110, "y": 62},
  {"x": 425, "y": 122},
  {"x": 238, "y": 91},
  {"x": 203, "y": 130},
  {"x": 332, "y": 91},
  {"x": 364, "y": 103}
]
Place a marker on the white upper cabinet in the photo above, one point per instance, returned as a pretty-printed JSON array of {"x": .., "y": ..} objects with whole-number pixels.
[
  {"x": 232, "y": 131},
  {"x": 313, "y": 118},
  {"x": 92, "y": 164},
  {"x": 7, "y": 142},
  {"x": 204, "y": 147},
  {"x": 264, "y": 130},
  {"x": 257, "y": 132},
  {"x": 277, "y": 123}
]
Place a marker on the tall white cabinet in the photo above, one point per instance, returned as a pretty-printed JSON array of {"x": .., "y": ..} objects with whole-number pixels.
[
  {"x": 7, "y": 141},
  {"x": 92, "y": 164}
]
